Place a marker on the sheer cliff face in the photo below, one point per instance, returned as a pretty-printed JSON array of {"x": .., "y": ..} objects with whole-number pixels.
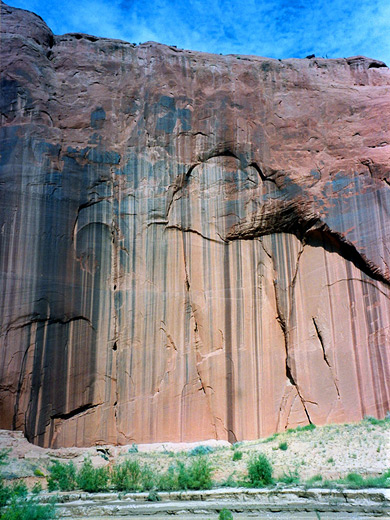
[{"x": 192, "y": 246}]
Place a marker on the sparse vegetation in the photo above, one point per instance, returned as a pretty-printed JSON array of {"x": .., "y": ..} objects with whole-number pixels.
[
  {"x": 315, "y": 480},
  {"x": 291, "y": 477},
  {"x": 308, "y": 428},
  {"x": 131, "y": 475},
  {"x": 356, "y": 481},
  {"x": 195, "y": 475},
  {"x": 15, "y": 504},
  {"x": 127, "y": 476},
  {"x": 377, "y": 422},
  {"x": 237, "y": 455},
  {"x": 283, "y": 461},
  {"x": 201, "y": 450},
  {"x": 168, "y": 481},
  {"x": 271, "y": 438},
  {"x": 351, "y": 481},
  {"x": 230, "y": 481},
  {"x": 153, "y": 496},
  {"x": 92, "y": 479},
  {"x": 260, "y": 471},
  {"x": 26, "y": 508},
  {"x": 62, "y": 476},
  {"x": 225, "y": 514}
]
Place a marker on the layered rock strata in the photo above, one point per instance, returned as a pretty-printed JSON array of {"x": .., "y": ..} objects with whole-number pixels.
[{"x": 192, "y": 246}]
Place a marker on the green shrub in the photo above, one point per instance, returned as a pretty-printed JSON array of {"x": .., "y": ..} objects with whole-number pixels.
[
  {"x": 331, "y": 484},
  {"x": 5, "y": 494},
  {"x": 37, "y": 488},
  {"x": 383, "y": 481},
  {"x": 201, "y": 450},
  {"x": 237, "y": 455},
  {"x": 354, "y": 481},
  {"x": 92, "y": 479},
  {"x": 291, "y": 477},
  {"x": 131, "y": 476},
  {"x": 315, "y": 479},
  {"x": 26, "y": 509},
  {"x": 62, "y": 476},
  {"x": 354, "y": 478},
  {"x": 126, "y": 476},
  {"x": 271, "y": 438},
  {"x": 229, "y": 482},
  {"x": 147, "y": 479},
  {"x": 377, "y": 422},
  {"x": 4, "y": 456},
  {"x": 38, "y": 473},
  {"x": 19, "y": 489},
  {"x": 259, "y": 471},
  {"x": 153, "y": 496},
  {"x": 308, "y": 428},
  {"x": 168, "y": 480},
  {"x": 225, "y": 514},
  {"x": 16, "y": 505},
  {"x": 195, "y": 475},
  {"x": 133, "y": 448},
  {"x": 283, "y": 446}
]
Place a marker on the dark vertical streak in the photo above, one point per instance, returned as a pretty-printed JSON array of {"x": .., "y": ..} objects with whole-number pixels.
[
  {"x": 370, "y": 313},
  {"x": 21, "y": 377},
  {"x": 256, "y": 339},
  {"x": 355, "y": 350},
  {"x": 228, "y": 351}
]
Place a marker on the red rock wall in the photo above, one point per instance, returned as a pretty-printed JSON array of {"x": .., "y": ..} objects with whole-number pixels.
[{"x": 192, "y": 246}]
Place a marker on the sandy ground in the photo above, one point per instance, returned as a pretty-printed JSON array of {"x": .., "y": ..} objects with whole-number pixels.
[{"x": 332, "y": 451}]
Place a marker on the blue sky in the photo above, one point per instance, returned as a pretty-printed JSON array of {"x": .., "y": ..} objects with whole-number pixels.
[{"x": 276, "y": 29}]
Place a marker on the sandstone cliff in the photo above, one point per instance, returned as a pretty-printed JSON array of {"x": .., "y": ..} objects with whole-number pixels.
[{"x": 192, "y": 246}]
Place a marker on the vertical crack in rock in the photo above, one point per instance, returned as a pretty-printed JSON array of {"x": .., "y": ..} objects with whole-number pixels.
[
  {"x": 321, "y": 340},
  {"x": 230, "y": 412},
  {"x": 19, "y": 387},
  {"x": 285, "y": 330},
  {"x": 177, "y": 186},
  {"x": 167, "y": 370},
  {"x": 294, "y": 278},
  {"x": 260, "y": 239},
  {"x": 197, "y": 340},
  {"x": 355, "y": 350},
  {"x": 115, "y": 252}
]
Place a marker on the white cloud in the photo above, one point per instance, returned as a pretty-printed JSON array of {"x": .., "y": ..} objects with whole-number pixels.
[{"x": 280, "y": 28}]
